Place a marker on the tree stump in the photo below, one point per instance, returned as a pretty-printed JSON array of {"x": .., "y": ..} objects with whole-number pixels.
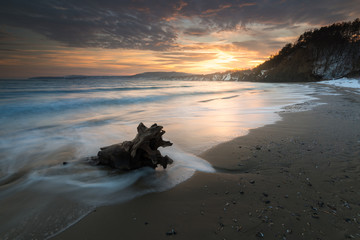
[{"x": 142, "y": 151}]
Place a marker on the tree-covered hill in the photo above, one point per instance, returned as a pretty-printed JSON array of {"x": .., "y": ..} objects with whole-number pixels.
[{"x": 326, "y": 53}]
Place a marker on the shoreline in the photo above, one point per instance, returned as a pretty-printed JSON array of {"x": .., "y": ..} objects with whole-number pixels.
[{"x": 295, "y": 179}]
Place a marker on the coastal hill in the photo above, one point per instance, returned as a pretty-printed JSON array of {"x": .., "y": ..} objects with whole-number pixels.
[
  {"x": 157, "y": 75},
  {"x": 145, "y": 75},
  {"x": 327, "y": 53}
]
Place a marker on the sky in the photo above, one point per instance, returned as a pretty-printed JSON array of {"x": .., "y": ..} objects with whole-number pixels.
[{"x": 125, "y": 37}]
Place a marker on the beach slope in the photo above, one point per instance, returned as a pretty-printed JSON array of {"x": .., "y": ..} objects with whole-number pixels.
[{"x": 296, "y": 179}]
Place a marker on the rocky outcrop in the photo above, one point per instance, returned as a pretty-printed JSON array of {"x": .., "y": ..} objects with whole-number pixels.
[{"x": 340, "y": 62}]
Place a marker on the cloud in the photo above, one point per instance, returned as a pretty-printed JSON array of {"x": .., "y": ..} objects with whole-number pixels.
[
  {"x": 5, "y": 36},
  {"x": 103, "y": 24},
  {"x": 260, "y": 46},
  {"x": 198, "y": 32},
  {"x": 151, "y": 25},
  {"x": 184, "y": 57}
]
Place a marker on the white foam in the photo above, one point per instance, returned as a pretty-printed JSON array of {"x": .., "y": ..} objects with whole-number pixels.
[
  {"x": 301, "y": 107},
  {"x": 344, "y": 83}
]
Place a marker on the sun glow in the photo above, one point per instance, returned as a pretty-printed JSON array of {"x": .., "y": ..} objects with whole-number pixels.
[
  {"x": 223, "y": 61},
  {"x": 225, "y": 58},
  {"x": 51, "y": 59}
]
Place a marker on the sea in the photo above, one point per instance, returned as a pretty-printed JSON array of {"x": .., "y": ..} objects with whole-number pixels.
[{"x": 45, "y": 123}]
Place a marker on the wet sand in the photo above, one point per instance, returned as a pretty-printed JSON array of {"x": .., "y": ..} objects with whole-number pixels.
[{"x": 296, "y": 179}]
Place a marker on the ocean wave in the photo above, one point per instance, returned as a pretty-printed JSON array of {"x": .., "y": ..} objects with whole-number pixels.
[
  {"x": 222, "y": 98},
  {"x": 9, "y": 93},
  {"x": 66, "y": 104}
]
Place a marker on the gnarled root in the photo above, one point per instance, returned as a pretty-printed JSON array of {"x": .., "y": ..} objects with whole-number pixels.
[{"x": 142, "y": 151}]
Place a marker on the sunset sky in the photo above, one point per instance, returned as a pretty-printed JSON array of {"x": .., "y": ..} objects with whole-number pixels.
[{"x": 109, "y": 37}]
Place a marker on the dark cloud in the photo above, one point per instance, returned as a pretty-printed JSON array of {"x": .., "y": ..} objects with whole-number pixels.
[
  {"x": 267, "y": 46},
  {"x": 198, "y": 32},
  {"x": 141, "y": 24},
  {"x": 7, "y": 50},
  {"x": 184, "y": 57},
  {"x": 5, "y": 36},
  {"x": 104, "y": 24}
]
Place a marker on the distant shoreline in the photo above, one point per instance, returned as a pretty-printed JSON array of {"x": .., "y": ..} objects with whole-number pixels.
[{"x": 224, "y": 76}]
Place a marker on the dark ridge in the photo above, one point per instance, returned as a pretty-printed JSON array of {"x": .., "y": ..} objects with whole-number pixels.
[
  {"x": 326, "y": 53},
  {"x": 146, "y": 75}
]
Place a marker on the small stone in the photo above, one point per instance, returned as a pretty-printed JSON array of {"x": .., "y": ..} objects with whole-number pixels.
[
  {"x": 221, "y": 226},
  {"x": 65, "y": 163},
  {"x": 171, "y": 232},
  {"x": 332, "y": 207},
  {"x": 241, "y": 192},
  {"x": 146, "y": 223},
  {"x": 286, "y": 196},
  {"x": 349, "y": 236},
  {"x": 314, "y": 208},
  {"x": 252, "y": 181},
  {"x": 315, "y": 215},
  {"x": 260, "y": 235},
  {"x": 267, "y": 201},
  {"x": 346, "y": 204},
  {"x": 265, "y": 194}
]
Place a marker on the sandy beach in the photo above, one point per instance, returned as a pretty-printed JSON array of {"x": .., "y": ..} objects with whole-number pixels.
[{"x": 295, "y": 179}]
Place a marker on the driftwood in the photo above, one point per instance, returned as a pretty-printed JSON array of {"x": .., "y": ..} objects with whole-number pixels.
[{"x": 140, "y": 152}]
